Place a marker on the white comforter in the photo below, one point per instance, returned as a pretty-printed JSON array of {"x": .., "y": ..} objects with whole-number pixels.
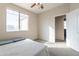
[{"x": 23, "y": 48}]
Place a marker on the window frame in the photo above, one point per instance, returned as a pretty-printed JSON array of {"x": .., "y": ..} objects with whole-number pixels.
[
  {"x": 20, "y": 21},
  {"x": 19, "y": 27}
]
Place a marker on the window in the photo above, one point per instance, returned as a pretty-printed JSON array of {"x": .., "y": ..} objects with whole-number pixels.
[
  {"x": 16, "y": 21},
  {"x": 23, "y": 22},
  {"x": 12, "y": 20}
]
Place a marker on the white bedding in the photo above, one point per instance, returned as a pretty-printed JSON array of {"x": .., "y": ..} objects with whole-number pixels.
[{"x": 25, "y": 47}]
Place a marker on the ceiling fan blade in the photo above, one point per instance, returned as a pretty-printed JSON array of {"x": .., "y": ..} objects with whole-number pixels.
[
  {"x": 42, "y": 7},
  {"x": 38, "y": 3},
  {"x": 33, "y": 5}
]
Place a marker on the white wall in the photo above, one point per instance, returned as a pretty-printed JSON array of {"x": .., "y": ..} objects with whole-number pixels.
[
  {"x": 31, "y": 33},
  {"x": 47, "y": 22},
  {"x": 74, "y": 6},
  {"x": 72, "y": 27}
]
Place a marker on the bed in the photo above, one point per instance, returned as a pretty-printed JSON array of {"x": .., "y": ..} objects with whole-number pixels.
[{"x": 24, "y": 47}]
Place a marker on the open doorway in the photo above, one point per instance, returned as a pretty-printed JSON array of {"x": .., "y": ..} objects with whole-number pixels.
[{"x": 60, "y": 28}]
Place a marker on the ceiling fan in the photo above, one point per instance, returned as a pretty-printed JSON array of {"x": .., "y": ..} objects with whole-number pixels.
[{"x": 38, "y": 5}]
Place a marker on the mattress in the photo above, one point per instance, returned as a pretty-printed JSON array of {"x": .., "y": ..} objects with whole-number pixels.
[{"x": 25, "y": 47}]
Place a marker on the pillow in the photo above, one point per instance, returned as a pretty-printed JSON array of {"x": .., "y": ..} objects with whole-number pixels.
[{"x": 3, "y": 42}]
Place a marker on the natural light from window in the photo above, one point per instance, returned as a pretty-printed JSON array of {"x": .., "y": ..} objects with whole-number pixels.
[
  {"x": 23, "y": 22},
  {"x": 16, "y": 21},
  {"x": 51, "y": 35}
]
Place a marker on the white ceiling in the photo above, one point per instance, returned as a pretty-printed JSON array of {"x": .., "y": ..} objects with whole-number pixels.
[{"x": 47, "y": 6}]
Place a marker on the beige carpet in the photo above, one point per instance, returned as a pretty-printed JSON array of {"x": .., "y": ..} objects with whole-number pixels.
[{"x": 59, "y": 49}]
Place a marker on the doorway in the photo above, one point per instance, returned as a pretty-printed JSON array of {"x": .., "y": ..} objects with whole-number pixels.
[{"x": 60, "y": 28}]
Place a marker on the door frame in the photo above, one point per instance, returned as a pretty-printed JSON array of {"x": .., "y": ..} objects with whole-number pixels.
[{"x": 54, "y": 24}]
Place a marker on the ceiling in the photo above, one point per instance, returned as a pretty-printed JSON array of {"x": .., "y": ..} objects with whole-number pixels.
[{"x": 47, "y": 6}]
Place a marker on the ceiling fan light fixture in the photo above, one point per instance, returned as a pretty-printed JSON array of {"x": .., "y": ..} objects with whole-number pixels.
[{"x": 39, "y": 5}]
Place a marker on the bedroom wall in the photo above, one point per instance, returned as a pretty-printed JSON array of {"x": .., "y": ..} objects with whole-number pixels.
[
  {"x": 31, "y": 33},
  {"x": 72, "y": 25},
  {"x": 74, "y": 6},
  {"x": 47, "y": 22}
]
